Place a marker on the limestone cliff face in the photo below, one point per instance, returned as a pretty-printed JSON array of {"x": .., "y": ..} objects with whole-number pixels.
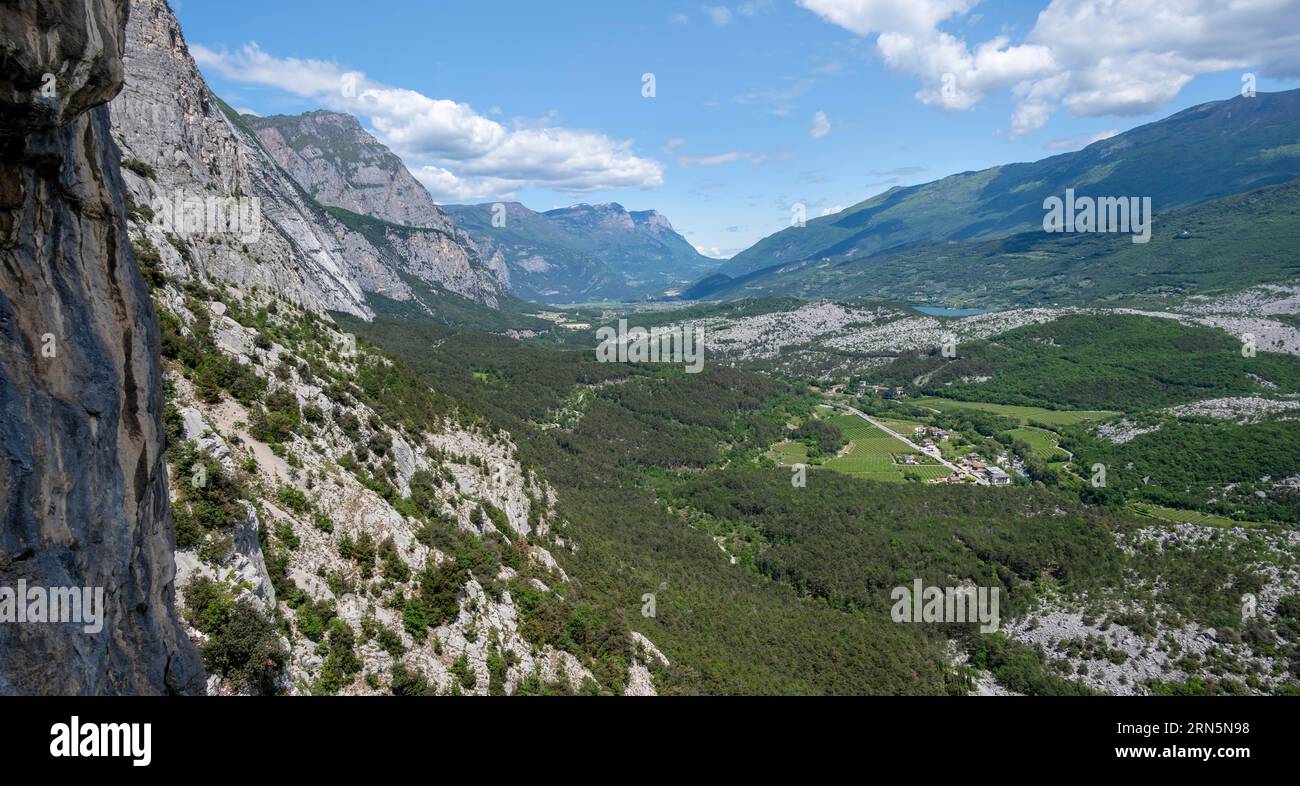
[
  {"x": 83, "y": 487},
  {"x": 183, "y": 144},
  {"x": 340, "y": 164}
]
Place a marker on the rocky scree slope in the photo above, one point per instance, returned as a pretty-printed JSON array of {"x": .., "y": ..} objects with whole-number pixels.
[{"x": 394, "y": 539}]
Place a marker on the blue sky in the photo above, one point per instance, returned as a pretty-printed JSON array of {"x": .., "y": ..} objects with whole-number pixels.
[{"x": 758, "y": 104}]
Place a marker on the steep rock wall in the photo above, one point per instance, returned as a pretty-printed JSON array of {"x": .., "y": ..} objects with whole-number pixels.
[{"x": 83, "y": 487}]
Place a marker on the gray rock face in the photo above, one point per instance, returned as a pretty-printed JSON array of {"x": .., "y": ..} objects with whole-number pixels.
[
  {"x": 56, "y": 66},
  {"x": 331, "y": 156},
  {"x": 184, "y": 144},
  {"x": 246, "y": 565},
  {"x": 166, "y": 119},
  {"x": 83, "y": 486}
]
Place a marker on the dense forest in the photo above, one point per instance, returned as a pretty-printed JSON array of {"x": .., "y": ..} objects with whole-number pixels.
[
  {"x": 1198, "y": 463},
  {"x": 1086, "y": 361},
  {"x": 763, "y": 586}
]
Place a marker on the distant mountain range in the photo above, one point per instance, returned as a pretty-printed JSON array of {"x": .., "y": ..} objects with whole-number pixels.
[
  {"x": 352, "y": 224},
  {"x": 1207, "y": 152},
  {"x": 572, "y": 254},
  {"x": 584, "y": 252},
  {"x": 1227, "y": 243}
]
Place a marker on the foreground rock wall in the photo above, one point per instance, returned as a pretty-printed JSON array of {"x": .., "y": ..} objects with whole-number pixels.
[{"x": 83, "y": 487}]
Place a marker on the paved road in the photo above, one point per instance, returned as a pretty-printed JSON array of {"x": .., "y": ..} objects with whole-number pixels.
[{"x": 913, "y": 445}]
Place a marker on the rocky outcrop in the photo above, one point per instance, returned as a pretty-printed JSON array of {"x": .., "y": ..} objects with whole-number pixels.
[
  {"x": 646, "y": 656},
  {"x": 181, "y": 145},
  {"x": 83, "y": 485},
  {"x": 306, "y": 545}
]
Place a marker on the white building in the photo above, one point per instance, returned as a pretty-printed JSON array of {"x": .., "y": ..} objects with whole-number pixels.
[{"x": 997, "y": 476}]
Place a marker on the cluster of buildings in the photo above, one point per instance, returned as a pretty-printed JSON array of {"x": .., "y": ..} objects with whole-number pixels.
[
  {"x": 974, "y": 464},
  {"x": 892, "y": 392},
  {"x": 928, "y": 439},
  {"x": 930, "y": 435}
]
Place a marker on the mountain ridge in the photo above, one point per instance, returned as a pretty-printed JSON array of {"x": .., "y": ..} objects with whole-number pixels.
[
  {"x": 183, "y": 140},
  {"x": 1188, "y": 253},
  {"x": 341, "y": 165},
  {"x": 1200, "y": 153},
  {"x": 578, "y": 252},
  {"x": 583, "y": 252}
]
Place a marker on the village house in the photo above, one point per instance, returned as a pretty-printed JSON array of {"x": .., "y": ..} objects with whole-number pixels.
[
  {"x": 931, "y": 433},
  {"x": 997, "y": 476}
]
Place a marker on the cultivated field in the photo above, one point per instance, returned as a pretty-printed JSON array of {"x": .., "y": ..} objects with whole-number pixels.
[
  {"x": 1051, "y": 417},
  {"x": 788, "y": 453},
  {"x": 1042, "y": 442},
  {"x": 871, "y": 453},
  {"x": 904, "y": 427},
  {"x": 1175, "y": 516}
]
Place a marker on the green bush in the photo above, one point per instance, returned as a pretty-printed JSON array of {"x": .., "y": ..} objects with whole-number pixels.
[
  {"x": 395, "y": 569},
  {"x": 436, "y": 601},
  {"x": 341, "y": 664},
  {"x": 208, "y": 499},
  {"x": 242, "y": 643},
  {"x": 408, "y": 682},
  {"x": 292, "y": 498},
  {"x": 140, "y": 168}
]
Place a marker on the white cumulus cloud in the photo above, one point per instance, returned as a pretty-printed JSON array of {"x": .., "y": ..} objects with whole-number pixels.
[
  {"x": 458, "y": 153},
  {"x": 720, "y": 15},
  {"x": 1087, "y": 57},
  {"x": 821, "y": 126}
]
